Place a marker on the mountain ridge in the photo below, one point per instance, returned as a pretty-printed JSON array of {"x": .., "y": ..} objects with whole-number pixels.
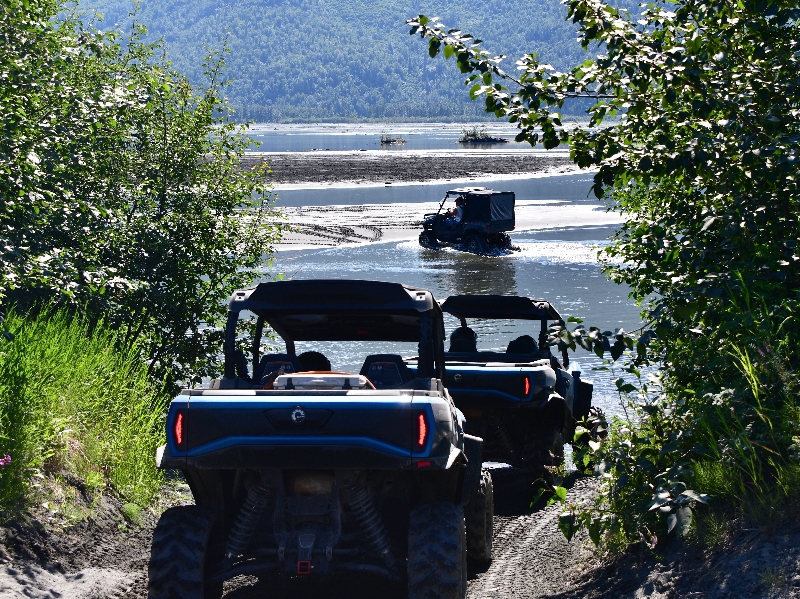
[{"x": 318, "y": 60}]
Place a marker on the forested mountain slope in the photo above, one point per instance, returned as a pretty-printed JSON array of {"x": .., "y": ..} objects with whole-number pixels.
[{"x": 344, "y": 59}]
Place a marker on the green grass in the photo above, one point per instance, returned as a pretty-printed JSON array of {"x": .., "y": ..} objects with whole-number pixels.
[{"x": 72, "y": 402}]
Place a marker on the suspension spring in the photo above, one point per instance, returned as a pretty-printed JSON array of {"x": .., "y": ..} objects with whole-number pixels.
[
  {"x": 242, "y": 530},
  {"x": 370, "y": 522},
  {"x": 499, "y": 433}
]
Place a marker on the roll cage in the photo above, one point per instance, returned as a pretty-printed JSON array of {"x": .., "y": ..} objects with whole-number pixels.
[{"x": 340, "y": 310}]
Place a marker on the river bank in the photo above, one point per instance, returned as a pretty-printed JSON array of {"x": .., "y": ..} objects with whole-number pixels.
[{"x": 418, "y": 166}]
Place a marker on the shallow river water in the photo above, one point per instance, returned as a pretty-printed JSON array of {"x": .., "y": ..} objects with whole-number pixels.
[
  {"x": 355, "y": 136},
  {"x": 556, "y": 264}
]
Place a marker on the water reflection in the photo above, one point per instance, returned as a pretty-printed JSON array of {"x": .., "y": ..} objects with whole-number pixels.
[
  {"x": 460, "y": 273},
  {"x": 547, "y": 267}
]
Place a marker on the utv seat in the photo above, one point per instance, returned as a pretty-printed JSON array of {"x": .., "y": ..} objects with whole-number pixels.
[
  {"x": 386, "y": 370},
  {"x": 524, "y": 344},
  {"x": 463, "y": 339},
  {"x": 271, "y": 362}
]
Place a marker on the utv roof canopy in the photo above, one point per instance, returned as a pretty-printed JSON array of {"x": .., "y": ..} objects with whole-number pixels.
[
  {"x": 485, "y": 205},
  {"x": 338, "y": 310},
  {"x": 499, "y": 306}
]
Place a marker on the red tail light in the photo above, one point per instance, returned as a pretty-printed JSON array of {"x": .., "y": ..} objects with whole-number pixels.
[
  {"x": 527, "y": 386},
  {"x": 178, "y": 429},
  {"x": 422, "y": 431}
]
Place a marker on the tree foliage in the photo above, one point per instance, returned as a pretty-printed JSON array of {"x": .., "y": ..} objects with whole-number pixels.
[
  {"x": 312, "y": 60},
  {"x": 703, "y": 163},
  {"x": 121, "y": 188}
]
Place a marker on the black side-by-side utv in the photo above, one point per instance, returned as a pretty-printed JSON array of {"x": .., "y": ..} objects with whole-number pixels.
[
  {"x": 487, "y": 216},
  {"x": 301, "y": 472}
]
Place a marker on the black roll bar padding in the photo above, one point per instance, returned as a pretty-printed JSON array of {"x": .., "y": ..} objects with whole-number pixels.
[
  {"x": 230, "y": 344},
  {"x": 441, "y": 204},
  {"x": 257, "y": 343},
  {"x": 425, "y": 367},
  {"x": 440, "y": 361},
  {"x": 543, "y": 335}
]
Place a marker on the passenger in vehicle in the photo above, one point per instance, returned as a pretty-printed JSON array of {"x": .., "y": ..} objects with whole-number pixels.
[
  {"x": 455, "y": 214},
  {"x": 524, "y": 344},
  {"x": 463, "y": 339},
  {"x": 314, "y": 360}
]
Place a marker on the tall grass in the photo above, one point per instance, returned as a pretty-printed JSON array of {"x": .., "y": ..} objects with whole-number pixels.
[{"x": 71, "y": 401}]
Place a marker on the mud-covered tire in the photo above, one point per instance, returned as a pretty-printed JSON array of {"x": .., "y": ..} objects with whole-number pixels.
[
  {"x": 181, "y": 555},
  {"x": 427, "y": 240},
  {"x": 543, "y": 452},
  {"x": 474, "y": 244},
  {"x": 437, "y": 552},
  {"x": 479, "y": 517}
]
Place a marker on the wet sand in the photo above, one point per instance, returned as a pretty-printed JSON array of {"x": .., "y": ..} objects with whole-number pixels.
[
  {"x": 314, "y": 226},
  {"x": 416, "y": 166},
  {"x": 333, "y": 225}
]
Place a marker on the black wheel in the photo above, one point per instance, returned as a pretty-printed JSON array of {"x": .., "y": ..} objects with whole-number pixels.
[
  {"x": 182, "y": 555},
  {"x": 474, "y": 244},
  {"x": 543, "y": 452},
  {"x": 437, "y": 552},
  {"x": 479, "y": 516},
  {"x": 427, "y": 240}
]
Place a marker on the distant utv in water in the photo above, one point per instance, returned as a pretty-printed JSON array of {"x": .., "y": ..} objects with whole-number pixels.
[{"x": 477, "y": 221}]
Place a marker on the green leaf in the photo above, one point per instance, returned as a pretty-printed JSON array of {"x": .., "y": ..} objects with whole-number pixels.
[
  {"x": 448, "y": 51},
  {"x": 567, "y": 525},
  {"x": 594, "y": 531},
  {"x": 672, "y": 521}
]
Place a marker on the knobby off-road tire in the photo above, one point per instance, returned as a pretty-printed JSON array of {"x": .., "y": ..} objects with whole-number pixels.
[
  {"x": 437, "y": 552},
  {"x": 479, "y": 517},
  {"x": 181, "y": 554},
  {"x": 427, "y": 240},
  {"x": 474, "y": 245},
  {"x": 543, "y": 452}
]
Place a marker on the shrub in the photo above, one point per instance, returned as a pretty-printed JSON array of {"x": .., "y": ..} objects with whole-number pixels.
[{"x": 71, "y": 400}]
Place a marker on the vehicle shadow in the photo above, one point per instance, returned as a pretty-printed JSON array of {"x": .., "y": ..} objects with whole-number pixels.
[{"x": 514, "y": 490}]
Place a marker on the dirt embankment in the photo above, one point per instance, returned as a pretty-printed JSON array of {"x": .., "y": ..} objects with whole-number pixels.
[{"x": 327, "y": 167}]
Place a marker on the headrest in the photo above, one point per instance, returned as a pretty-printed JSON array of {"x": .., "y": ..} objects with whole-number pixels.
[
  {"x": 524, "y": 344},
  {"x": 386, "y": 370},
  {"x": 271, "y": 362},
  {"x": 313, "y": 360},
  {"x": 463, "y": 339}
]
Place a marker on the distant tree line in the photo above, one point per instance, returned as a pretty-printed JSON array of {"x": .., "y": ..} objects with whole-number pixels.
[{"x": 310, "y": 60}]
